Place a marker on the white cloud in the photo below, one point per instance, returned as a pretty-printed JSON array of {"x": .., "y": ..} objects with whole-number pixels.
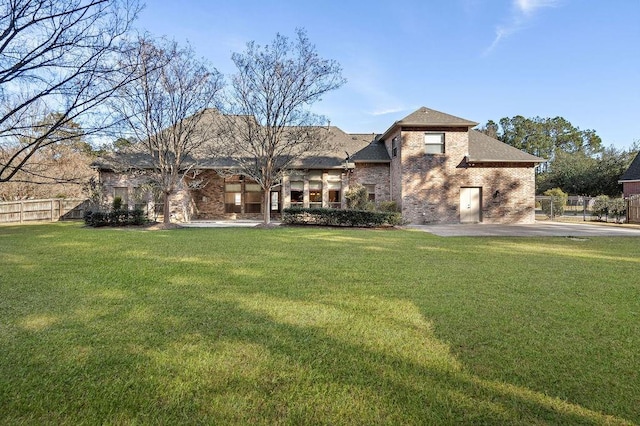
[
  {"x": 528, "y": 7},
  {"x": 522, "y": 12}
]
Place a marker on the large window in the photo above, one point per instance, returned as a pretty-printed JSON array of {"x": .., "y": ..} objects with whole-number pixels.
[
  {"x": 297, "y": 193},
  {"x": 233, "y": 198},
  {"x": 252, "y": 198},
  {"x": 315, "y": 193},
  {"x": 334, "y": 186},
  {"x": 334, "y": 195},
  {"x": 434, "y": 143}
]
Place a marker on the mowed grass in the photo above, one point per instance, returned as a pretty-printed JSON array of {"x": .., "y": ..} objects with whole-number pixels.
[{"x": 315, "y": 326}]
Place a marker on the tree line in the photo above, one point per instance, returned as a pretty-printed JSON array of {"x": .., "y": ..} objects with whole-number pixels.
[{"x": 577, "y": 161}]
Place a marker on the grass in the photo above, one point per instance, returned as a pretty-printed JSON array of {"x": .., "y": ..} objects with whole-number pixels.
[{"x": 315, "y": 326}]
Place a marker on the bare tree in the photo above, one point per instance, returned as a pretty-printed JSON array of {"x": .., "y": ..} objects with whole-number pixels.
[
  {"x": 270, "y": 125},
  {"x": 168, "y": 110},
  {"x": 59, "y": 169},
  {"x": 56, "y": 57}
]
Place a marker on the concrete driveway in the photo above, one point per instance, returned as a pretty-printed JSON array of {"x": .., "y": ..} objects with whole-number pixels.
[{"x": 538, "y": 229}]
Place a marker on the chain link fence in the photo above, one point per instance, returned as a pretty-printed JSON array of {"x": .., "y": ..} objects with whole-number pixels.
[{"x": 582, "y": 208}]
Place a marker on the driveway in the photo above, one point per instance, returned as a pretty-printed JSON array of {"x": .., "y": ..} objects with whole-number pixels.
[{"x": 538, "y": 229}]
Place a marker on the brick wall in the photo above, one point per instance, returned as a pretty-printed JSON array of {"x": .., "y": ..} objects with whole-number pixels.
[
  {"x": 371, "y": 173},
  {"x": 181, "y": 205},
  {"x": 395, "y": 190},
  {"x": 431, "y": 183},
  {"x": 208, "y": 198},
  {"x": 630, "y": 188}
]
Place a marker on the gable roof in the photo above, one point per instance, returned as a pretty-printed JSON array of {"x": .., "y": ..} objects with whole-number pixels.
[
  {"x": 633, "y": 172},
  {"x": 485, "y": 149},
  {"x": 426, "y": 117}
]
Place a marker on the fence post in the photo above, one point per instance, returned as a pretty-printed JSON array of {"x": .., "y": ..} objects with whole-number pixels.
[
  {"x": 52, "y": 200},
  {"x": 21, "y": 210}
]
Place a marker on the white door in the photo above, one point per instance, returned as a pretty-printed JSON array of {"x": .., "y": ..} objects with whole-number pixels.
[{"x": 470, "y": 205}]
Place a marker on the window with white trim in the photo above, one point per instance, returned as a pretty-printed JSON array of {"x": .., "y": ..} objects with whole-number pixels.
[{"x": 434, "y": 143}]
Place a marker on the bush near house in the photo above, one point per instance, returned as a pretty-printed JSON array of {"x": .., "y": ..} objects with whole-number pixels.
[
  {"x": 558, "y": 201},
  {"x": 337, "y": 217},
  {"x": 603, "y": 207},
  {"x": 119, "y": 217}
]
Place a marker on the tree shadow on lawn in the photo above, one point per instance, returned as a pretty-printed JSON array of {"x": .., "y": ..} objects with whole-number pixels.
[{"x": 253, "y": 358}]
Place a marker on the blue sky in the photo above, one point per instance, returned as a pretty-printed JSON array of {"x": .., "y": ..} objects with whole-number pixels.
[{"x": 476, "y": 59}]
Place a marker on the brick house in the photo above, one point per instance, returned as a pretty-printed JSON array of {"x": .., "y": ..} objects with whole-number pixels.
[
  {"x": 433, "y": 165},
  {"x": 630, "y": 179}
]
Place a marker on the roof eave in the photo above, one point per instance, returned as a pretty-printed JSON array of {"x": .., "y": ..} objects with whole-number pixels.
[{"x": 503, "y": 160}]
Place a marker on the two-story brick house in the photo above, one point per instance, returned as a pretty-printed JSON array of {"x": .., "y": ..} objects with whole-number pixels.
[{"x": 433, "y": 165}]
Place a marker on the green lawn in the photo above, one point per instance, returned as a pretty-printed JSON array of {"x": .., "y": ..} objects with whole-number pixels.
[{"x": 315, "y": 326}]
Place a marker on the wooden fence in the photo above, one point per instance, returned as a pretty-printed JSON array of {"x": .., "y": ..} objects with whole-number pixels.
[
  {"x": 633, "y": 209},
  {"x": 50, "y": 210}
]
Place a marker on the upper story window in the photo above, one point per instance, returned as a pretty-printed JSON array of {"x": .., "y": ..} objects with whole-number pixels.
[
  {"x": 394, "y": 147},
  {"x": 434, "y": 143}
]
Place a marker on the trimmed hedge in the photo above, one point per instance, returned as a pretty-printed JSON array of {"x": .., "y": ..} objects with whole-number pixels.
[
  {"x": 338, "y": 217},
  {"x": 117, "y": 217}
]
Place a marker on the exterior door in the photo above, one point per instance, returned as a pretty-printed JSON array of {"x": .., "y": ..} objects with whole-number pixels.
[{"x": 470, "y": 204}]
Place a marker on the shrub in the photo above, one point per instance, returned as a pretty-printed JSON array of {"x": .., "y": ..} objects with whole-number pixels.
[
  {"x": 115, "y": 218},
  {"x": 337, "y": 217},
  {"x": 117, "y": 203},
  {"x": 558, "y": 201},
  {"x": 601, "y": 207},
  {"x": 618, "y": 208},
  {"x": 388, "y": 206},
  {"x": 357, "y": 198}
]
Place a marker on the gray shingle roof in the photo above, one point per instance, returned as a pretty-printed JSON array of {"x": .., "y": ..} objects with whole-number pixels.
[
  {"x": 426, "y": 117},
  {"x": 429, "y": 117},
  {"x": 361, "y": 148},
  {"x": 633, "y": 172},
  {"x": 485, "y": 149}
]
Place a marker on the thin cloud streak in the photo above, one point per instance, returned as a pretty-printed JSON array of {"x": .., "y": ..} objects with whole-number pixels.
[{"x": 522, "y": 12}]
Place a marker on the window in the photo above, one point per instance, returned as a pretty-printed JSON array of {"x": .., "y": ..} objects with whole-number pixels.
[
  {"x": 434, "y": 143},
  {"x": 275, "y": 201},
  {"x": 394, "y": 147},
  {"x": 233, "y": 198},
  {"x": 315, "y": 194},
  {"x": 334, "y": 194},
  {"x": 371, "y": 190},
  {"x": 252, "y": 198},
  {"x": 297, "y": 193}
]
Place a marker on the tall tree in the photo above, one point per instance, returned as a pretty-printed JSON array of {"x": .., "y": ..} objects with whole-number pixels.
[
  {"x": 583, "y": 174},
  {"x": 272, "y": 91},
  {"x": 56, "y": 56},
  {"x": 167, "y": 109},
  {"x": 545, "y": 137}
]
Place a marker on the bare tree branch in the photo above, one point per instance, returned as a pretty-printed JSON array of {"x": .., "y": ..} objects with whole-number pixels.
[
  {"x": 270, "y": 126},
  {"x": 56, "y": 56},
  {"x": 169, "y": 110}
]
